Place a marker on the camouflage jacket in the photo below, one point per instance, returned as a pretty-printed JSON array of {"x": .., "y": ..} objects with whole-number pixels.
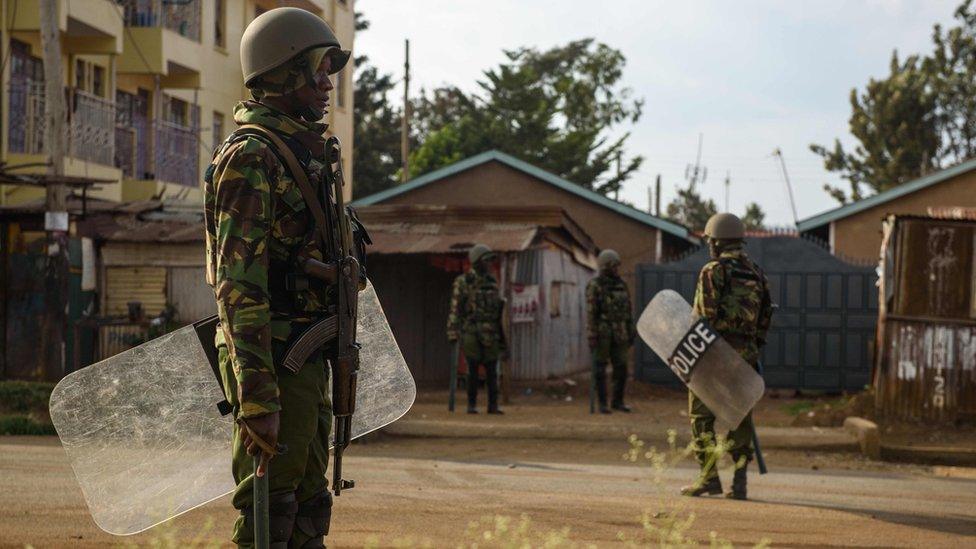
[
  {"x": 476, "y": 309},
  {"x": 733, "y": 296},
  {"x": 608, "y": 310},
  {"x": 257, "y": 222}
]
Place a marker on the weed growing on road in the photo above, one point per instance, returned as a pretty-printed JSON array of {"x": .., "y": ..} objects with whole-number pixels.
[
  {"x": 668, "y": 527},
  {"x": 504, "y": 532}
]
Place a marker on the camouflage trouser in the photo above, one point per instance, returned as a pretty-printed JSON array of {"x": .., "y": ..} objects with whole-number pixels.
[
  {"x": 703, "y": 435},
  {"x": 298, "y": 488},
  {"x": 477, "y": 355},
  {"x": 616, "y": 354}
]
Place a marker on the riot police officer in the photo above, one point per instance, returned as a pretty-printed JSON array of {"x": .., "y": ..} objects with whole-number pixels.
[
  {"x": 733, "y": 296},
  {"x": 610, "y": 329},
  {"x": 475, "y": 322},
  {"x": 258, "y": 222}
]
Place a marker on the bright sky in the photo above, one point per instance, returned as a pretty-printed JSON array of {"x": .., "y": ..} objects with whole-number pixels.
[{"x": 750, "y": 75}]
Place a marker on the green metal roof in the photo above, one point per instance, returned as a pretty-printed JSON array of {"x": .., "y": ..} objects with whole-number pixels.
[
  {"x": 568, "y": 186},
  {"x": 846, "y": 210}
]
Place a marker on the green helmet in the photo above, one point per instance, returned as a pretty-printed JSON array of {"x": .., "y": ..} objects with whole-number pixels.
[
  {"x": 479, "y": 252},
  {"x": 725, "y": 226},
  {"x": 279, "y": 35},
  {"x": 607, "y": 258}
]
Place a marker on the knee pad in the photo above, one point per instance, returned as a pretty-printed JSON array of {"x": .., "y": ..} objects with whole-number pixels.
[
  {"x": 314, "y": 517},
  {"x": 282, "y": 509}
]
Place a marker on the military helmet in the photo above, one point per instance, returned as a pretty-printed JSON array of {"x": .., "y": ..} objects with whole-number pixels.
[
  {"x": 479, "y": 252},
  {"x": 607, "y": 257},
  {"x": 725, "y": 226},
  {"x": 279, "y": 35}
]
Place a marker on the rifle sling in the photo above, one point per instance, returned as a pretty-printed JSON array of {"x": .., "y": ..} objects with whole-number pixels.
[{"x": 300, "y": 176}]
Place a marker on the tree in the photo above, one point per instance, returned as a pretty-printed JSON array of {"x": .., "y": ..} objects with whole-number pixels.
[
  {"x": 894, "y": 121},
  {"x": 754, "y": 217},
  {"x": 376, "y": 155},
  {"x": 376, "y": 127},
  {"x": 690, "y": 209},
  {"x": 953, "y": 66},
  {"x": 552, "y": 108},
  {"x": 919, "y": 118}
]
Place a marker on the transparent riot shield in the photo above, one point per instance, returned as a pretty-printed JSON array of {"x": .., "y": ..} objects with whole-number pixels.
[
  {"x": 706, "y": 363},
  {"x": 145, "y": 439}
]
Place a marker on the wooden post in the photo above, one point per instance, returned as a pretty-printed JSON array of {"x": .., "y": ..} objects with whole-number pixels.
[{"x": 56, "y": 214}]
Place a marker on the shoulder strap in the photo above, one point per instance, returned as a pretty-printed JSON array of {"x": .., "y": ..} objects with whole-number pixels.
[{"x": 297, "y": 173}]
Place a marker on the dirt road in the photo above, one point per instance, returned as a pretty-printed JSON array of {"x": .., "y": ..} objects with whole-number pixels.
[{"x": 435, "y": 473}]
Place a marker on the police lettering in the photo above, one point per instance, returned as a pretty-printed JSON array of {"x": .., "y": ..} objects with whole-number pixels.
[{"x": 690, "y": 349}]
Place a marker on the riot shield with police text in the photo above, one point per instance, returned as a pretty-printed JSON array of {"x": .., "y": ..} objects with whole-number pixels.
[
  {"x": 145, "y": 438},
  {"x": 706, "y": 363}
]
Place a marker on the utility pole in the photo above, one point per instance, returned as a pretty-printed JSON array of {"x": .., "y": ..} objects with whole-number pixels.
[
  {"x": 657, "y": 196},
  {"x": 405, "y": 119},
  {"x": 616, "y": 194},
  {"x": 789, "y": 187},
  {"x": 728, "y": 182},
  {"x": 56, "y": 208}
]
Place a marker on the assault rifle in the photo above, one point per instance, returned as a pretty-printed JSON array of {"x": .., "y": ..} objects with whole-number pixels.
[{"x": 345, "y": 362}]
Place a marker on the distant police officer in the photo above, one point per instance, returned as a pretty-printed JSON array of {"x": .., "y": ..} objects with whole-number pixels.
[
  {"x": 610, "y": 329},
  {"x": 733, "y": 296},
  {"x": 257, "y": 226},
  {"x": 475, "y": 320}
]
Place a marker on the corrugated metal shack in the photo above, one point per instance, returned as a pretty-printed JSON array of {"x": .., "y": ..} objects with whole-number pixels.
[
  {"x": 545, "y": 261},
  {"x": 120, "y": 253},
  {"x": 926, "y": 369}
]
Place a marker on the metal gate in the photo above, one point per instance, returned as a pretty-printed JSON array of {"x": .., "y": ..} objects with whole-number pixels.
[{"x": 823, "y": 329}]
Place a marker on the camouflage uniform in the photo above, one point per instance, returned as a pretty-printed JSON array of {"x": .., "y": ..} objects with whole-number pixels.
[
  {"x": 257, "y": 224},
  {"x": 733, "y": 295},
  {"x": 610, "y": 329},
  {"x": 475, "y": 319}
]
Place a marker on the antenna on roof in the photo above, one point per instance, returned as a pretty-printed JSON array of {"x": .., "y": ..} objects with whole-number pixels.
[
  {"x": 789, "y": 187},
  {"x": 696, "y": 174}
]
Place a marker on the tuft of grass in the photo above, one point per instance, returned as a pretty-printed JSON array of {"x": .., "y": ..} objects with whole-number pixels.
[
  {"x": 24, "y": 425},
  {"x": 24, "y": 397},
  {"x": 799, "y": 407}
]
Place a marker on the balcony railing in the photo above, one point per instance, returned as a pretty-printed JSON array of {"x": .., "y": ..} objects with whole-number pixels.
[
  {"x": 92, "y": 126},
  {"x": 182, "y": 17},
  {"x": 90, "y": 131},
  {"x": 177, "y": 153}
]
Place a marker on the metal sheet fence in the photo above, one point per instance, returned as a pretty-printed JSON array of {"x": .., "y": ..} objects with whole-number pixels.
[{"x": 929, "y": 371}]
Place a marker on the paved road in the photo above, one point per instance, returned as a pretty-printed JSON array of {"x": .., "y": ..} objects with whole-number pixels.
[{"x": 422, "y": 499}]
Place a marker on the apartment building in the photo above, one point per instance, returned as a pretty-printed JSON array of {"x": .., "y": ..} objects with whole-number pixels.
[{"x": 151, "y": 88}]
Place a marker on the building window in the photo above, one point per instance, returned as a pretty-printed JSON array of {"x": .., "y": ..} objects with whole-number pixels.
[
  {"x": 80, "y": 74},
  {"x": 176, "y": 111},
  {"x": 218, "y": 129},
  {"x": 98, "y": 81},
  {"x": 220, "y": 25}
]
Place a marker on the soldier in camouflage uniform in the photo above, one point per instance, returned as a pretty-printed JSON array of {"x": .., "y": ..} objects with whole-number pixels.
[
  {"x": 732, "y": 294},
  {"x": 475, "y": 320},
  {"x": 258, "y": 227},
  {"x": 610, "y": 329}
]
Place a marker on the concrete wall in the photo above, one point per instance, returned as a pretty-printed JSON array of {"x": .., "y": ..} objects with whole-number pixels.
[
  {"x": 859, "y": 235},
  {"x": 495, "y": 184}
]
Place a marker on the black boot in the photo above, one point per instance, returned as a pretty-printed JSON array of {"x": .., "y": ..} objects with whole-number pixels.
[
  {"x": 709, "y": 487},
  {"x": 739, "y": 482},
  {"x": 621, "y": 407}
]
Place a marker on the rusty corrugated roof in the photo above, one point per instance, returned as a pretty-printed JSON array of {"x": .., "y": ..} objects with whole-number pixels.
[{"x": 412, "y": 229}]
